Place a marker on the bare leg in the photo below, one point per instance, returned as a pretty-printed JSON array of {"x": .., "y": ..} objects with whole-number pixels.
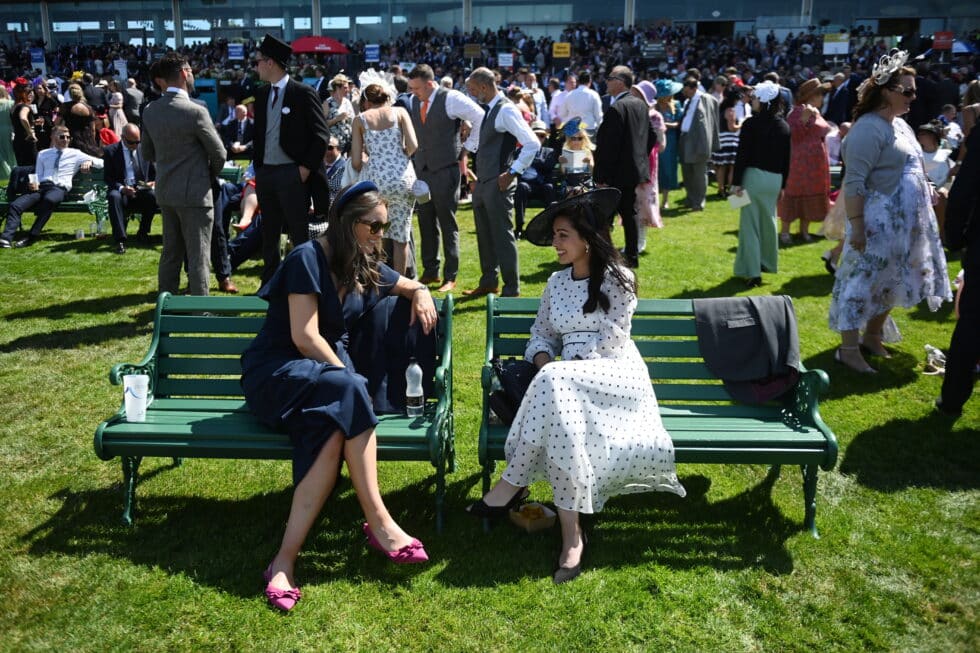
[
  {"x": 836, "y": 251},
  {"x": 308, "y": 499},
  {"x": 665, "y": 199},
  {"x": 250, "y": 202},
  {"x": 572, "y": 544},
  {"x": 361, "y": 454},
  {"x": 399, "y": 257},
  {"x": 804, "y": 229},
  {"x": 500, "y": 494},
  {"x": 873, "y": 332},
  {"x": 850, "y": 352}
]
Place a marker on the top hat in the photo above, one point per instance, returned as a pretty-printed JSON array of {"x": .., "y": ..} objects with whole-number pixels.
[{"x": 278, "y": 51}]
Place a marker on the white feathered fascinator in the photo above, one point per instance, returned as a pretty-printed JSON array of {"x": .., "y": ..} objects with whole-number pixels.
[
  {"x": 888, "y": 65},
  {"x": 372, "y": 76}
]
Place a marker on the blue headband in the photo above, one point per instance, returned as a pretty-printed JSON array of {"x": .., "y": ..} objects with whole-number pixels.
[{"x": 353, "y": 191}]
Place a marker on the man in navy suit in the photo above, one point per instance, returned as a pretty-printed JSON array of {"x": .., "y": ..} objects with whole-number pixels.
[
  {"x": 129, "y": 181},
  {"x": 538, "y": 181},
  {"x": 238, "y": 134},
  {"x": 290, "y": 140}
]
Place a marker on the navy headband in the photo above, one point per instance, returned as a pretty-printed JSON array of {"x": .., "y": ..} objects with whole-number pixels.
[{"x": 353, "y": 191}]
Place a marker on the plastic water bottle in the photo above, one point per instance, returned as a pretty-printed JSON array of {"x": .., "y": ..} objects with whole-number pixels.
[{"x": 414, "y": 398}]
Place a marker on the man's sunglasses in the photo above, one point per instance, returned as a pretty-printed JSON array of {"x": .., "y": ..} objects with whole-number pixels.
[
  {"x": 376, "y": 227},
  {"x": 129, "y": 142}
]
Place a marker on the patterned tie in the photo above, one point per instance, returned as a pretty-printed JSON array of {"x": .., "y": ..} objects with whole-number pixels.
[
  {"x": 57, "y": 166},
  {"x": 424, "y": 110},
  {"x": 137, "y": 171}
]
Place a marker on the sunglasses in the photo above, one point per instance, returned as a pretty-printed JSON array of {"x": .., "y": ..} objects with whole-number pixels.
[
  {"x": 576, "y": 138},
  {"x": 64, "y": 137},
  {"x": 375, "y": 227},
  {"x": 907, "y": 92},
  {"x": 331, "y": 148},
  {"x": 129, "y": 142}
]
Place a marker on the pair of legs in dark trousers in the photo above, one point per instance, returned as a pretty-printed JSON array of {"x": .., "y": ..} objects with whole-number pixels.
[
  {"x": 227, "y": 199},
  {"x": 285, "y": 202},
  {"x": 627, "y": 209},
  {"x": 527, "y": 191},
  {"x": 144, "y": 202},
  {"x": 439, "y": 215},
  {"x": 964, "y": 347},
  {"x": 43, "y": 201}
]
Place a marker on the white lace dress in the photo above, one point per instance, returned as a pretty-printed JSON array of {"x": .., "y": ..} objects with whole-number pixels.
[
  {"x": 392, "y": 171},
  {"x": 589, "y": 423}
]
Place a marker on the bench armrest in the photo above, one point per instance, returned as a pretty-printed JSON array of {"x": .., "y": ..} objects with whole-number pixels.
[
  {"x": 804, "y": 403},
  {"x": 443, "y": 386},
  {"x": 148, "y": 365}
]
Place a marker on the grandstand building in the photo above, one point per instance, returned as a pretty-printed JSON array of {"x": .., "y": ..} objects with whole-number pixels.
[{"x": 186, "y": 22}]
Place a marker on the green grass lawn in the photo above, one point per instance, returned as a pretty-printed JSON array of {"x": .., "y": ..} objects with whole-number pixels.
[{"x": 726, "y": 569}]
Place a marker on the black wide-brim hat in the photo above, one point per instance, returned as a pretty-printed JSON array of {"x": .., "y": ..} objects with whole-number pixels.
[
  {"x": 603, "y": 203},
  {"x": 277, "y": 50}
]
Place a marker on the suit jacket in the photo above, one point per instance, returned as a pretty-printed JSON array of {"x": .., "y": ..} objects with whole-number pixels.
[
  {"x": 114, "y": 170},
  {"x": 180, "y": 138},
  {"x": 623, "y": 144},
  {"x": 962, "y": 227},
  {"x": 543, "y": 163},
  {"x": 229, "y": 134},
  {"x": 323, "y": 92},
  {"x": 132, "y": 100},
  {"x": 303, "y": 134},
  {"x": 703, "y": 138}
]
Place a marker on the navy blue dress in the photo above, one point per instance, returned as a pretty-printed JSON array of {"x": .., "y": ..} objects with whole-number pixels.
[{"x": 286, "y": 390}]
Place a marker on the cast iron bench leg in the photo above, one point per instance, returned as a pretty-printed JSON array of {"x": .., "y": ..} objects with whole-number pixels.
[
  {"x": 810, "y": 498},
  {"x": 130, "y": 466}
]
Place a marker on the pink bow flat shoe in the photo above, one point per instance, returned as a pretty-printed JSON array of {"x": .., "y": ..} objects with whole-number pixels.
[
  {"x": 411, "y": 553},
  {"x": 278, "y": 598}
]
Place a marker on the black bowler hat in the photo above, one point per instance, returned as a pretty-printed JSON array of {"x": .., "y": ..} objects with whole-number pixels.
[
  {"x": 603, "y": 203},
  {"x": 278, "y": 51}
]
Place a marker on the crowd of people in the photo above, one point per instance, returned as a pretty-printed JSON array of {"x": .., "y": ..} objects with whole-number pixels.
[{"x": 340, "y": 167}]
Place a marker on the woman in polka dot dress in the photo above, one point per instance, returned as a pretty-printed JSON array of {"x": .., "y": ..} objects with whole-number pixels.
[{"x": 589, "y": 423}]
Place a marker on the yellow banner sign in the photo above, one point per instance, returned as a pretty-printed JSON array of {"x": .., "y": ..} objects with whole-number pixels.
[{"x": 561, "y": 50}]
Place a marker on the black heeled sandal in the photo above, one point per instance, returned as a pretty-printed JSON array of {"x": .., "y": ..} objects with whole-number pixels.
[{"x": 482, "y": 510}]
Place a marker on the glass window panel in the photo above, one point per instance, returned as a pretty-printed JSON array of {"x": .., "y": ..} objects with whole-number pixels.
[
  {"x": 336, "y": 22},
  {"x": 368, "y": 20}
]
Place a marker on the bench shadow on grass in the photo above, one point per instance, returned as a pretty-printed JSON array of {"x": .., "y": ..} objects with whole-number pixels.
[
  {"x": 225, "y": 543},
  {"x": 71, "y": 338},
  {"x": 927, "y": 452}
]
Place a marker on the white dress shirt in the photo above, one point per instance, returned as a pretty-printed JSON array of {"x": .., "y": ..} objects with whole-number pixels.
[
  {"x": 510, "y": 120},
  {"x": 69, "y": 164},
  {"x": 281, "y": 85},
  {"x": 554, "y": 109},
  {"x": 583, "y": 103}
]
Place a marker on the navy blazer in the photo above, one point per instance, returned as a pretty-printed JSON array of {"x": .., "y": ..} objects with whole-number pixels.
[
  {"x": 303, "y": 133},
  {"x": 114, "y": 169}
]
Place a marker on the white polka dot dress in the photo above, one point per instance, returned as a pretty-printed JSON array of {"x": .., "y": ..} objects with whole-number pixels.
[{"x": 590, "y": 427}]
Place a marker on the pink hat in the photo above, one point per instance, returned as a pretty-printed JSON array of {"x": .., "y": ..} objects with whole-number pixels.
[{"x": 648, "y": 91}]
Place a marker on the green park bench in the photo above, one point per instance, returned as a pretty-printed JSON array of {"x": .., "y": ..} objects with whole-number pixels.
[
  {"x": 74, "y": 201},
  {"x": 705, "y": 423},
  {"x": 197, "y": 409}
]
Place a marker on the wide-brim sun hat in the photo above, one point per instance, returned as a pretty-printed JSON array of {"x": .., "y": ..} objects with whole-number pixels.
[
  {"x": 648, "y": 91},
  {"x": 667, "y": 88},
  {"x": 810, "y": 87},
  {"x": 602, "y": 201}
]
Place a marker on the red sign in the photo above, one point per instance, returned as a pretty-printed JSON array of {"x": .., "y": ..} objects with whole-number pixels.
[{"x": 942, "y": 41}]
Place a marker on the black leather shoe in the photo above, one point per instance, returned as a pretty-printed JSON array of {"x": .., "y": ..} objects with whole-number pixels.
[
  {"x": 143, "y": 239},
  {"x": 120, "y": 248},
  {"x": 565, "y": 574},
  {"x": 754, "y": 282},
  {"x": 482, "y": 510},
  {"x": 631, "y": 262},
  {"x": 4, "y": 243},
  {"x": 25, "y": 242}
]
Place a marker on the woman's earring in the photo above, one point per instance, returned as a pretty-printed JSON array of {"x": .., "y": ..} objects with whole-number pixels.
[{"x": 586, "y": 249}]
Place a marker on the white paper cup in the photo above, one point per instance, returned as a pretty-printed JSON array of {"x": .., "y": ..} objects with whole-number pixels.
[
  {"x": 32, "y": 178},
  {"x": 135, "y": 390}
]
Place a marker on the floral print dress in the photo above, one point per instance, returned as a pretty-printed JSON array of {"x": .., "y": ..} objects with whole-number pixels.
[
  {"x": 392, "y": 171},
  {"x": 903, "y": 261}
]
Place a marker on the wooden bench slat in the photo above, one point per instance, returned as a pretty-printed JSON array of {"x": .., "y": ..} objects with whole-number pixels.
[
  {"x": 169, "y": 387},
  {"x": 679, "y": 370},
  {"x": 688, "y": 392},
  {"x": 174, "y": 344},
  {"x": 657, "y": 327},
  {"x": 199, "y": 365},
  {"x": 201, "y": 405},
  {"x": 668, "y": 348},
  {"x": 170, "y": 324},
  {"x": 216, "y": 304},
  {"x": 681, "y": 307}
]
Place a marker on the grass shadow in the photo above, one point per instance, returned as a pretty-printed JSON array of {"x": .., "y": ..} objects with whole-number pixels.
[
  {"x": 895, "y": 372},
  {"x": 744, "y": 531},
  {"x": 87, "y": 245},
  {"x": 903, "y": 453},
  {"x": 727, "y": 288},
  {"x": 814, "y": 285},
  {"x": 140, "y": 324},
  {"x": 95, "y": 305},
  {"x": 922, "y": 312}
]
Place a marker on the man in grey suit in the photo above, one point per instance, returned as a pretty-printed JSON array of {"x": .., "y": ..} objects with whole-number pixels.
[
  {"x": 132, "y": 101},
  {"x": 699, "y": 138},
  {"x": 179, "y": 137}
]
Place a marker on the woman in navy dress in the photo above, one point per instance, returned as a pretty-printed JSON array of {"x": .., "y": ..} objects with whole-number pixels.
[{"x": 298, "y": 376}]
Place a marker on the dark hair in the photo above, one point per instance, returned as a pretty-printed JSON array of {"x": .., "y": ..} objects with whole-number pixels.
[
  {"x": 375, "y": 94},
  {"x": 422, "y": 71},
  {"x": 170, "y": 66},
  {"x": 354, "y": 270},
  {"x": 624, "y": 74},
  {"x": 772, "y": 109},
  {"x": 21, "y": 92},
  {"x": 401, "y": 83},
  {"x": 584, "y": 77},
  {"x": 603, "y": 256},
  {"x": 771, "y": 77},
  {"x": 870, "y": 95}
]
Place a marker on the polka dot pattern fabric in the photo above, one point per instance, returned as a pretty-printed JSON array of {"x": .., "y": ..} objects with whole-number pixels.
[{"x": 589, "y": 423}]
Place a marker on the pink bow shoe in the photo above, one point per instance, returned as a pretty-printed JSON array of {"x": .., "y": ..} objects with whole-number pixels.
[
  {"x": 411, "y": 553},
  {"x": 278, "y": 598}
]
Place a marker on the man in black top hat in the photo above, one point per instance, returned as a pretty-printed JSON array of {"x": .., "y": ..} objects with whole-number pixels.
[{"x": 289, "y": 142}]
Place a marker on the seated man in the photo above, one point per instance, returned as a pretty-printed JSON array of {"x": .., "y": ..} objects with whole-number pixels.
[
  {"x": 538, "y": 181},
  {"x": 237, "y": 134},
  {"x": 55, "y": 168},
  {"x": 333, "y": 164},
  {"x": 129, "y": 181}
]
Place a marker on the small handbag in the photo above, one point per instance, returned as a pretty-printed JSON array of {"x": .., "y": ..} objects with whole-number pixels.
[
  {"x": 515, "y": 376},
  {"x": 350, "y": 175}
]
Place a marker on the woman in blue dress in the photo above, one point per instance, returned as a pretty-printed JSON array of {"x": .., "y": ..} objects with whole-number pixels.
[
  {"x": 298, "y": 374},
  {"x": 667, "y": 170}
]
